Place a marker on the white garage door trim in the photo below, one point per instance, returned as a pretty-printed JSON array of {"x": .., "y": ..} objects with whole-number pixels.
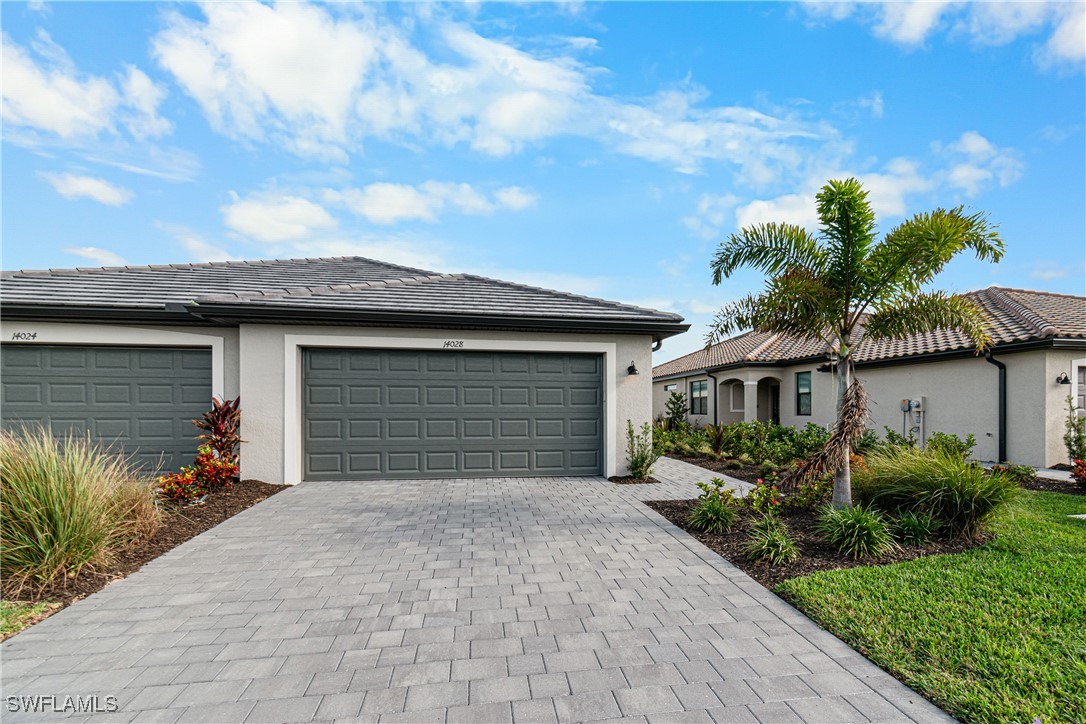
[
  {"x": 53, "y": 333},
  {"x": 292, "y": 380}
]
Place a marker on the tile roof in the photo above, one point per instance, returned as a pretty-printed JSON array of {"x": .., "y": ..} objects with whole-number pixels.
[
  {"x": 1014, "y": 315},
  {"x": 342, "y": 284}
]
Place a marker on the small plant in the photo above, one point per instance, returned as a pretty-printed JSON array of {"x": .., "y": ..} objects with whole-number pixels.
[
  {"x": 915, "y": 528},
  {"x": 810, "y": 494},
  {"x": 733, "y": 465},
  {"x": 768, "y": 540},
  {"x": 867, "y": 442},
  {"x": 1074, "y": 434},
  {"x": 676, "y": 410},
  {"x": 894, "y": 439},
  {"x": 1018, "y": 473},
  {"x": 66, "y": 504},
  {"x": 182, "y": 488},
  {"x": 951, "y": 444},
  {"x": 764, "y": 497},
  {"x": 961, "y": 496},
  {"x": 716, "y": 509},
  {"x": 717, "y": 436},
  {"x": 214, "y": 472},
  {"x": 222, "y": 428},
  {"x": 1078, "y": 473},
  {"x": 857, "y": 532},
  {"x": 641, "y": 454}
]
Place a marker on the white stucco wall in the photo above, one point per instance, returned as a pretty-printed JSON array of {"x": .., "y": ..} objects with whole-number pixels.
[{"x": 272, "y": 410}]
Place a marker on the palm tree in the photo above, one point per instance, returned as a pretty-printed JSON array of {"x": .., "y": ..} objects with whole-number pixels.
[{"x": 825, "y": 287}]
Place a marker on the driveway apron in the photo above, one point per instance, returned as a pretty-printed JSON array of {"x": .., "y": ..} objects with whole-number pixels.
[{"x": 528, "y": 599}]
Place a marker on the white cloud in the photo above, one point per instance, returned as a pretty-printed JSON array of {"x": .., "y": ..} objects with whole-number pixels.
[
  {"x": 48, "y": 94},
  {"x": 912, "y": 23},
  {"x": 196, "y": 246},
  {"x": 71, "y": 186},
  {"x": 1046, "y": 271},
  {"x": 516, "y": 198},
  {"x": 796, "y": 209},
  {"x": 101, "y": 257},
  {"x": 276, "y": 218},
  {"x": 711, "y": 214},
  {"x": 873, "y": 103},
  {"x": 977, "y": 163},
  {"x": 391, "y": 203}
]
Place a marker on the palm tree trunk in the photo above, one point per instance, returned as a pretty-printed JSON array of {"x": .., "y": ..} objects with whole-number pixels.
[{"x": 842, "y": 479}]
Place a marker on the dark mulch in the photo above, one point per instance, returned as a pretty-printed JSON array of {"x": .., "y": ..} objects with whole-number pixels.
[
  {"x": 1049, "y": 485},
  {"x": 814, "y": 554},
  {"x": 178, "y": 526},
  {"x": 745, "y": 472},
  {"x": 631, "y": 480}
]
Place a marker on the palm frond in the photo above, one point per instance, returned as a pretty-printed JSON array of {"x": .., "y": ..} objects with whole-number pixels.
[
  {"x": 848, "y": 227},
  {"x": 794, "y": 303},
  {"x": 771, "y": 248},
  {"x": 924, "y": 313}
]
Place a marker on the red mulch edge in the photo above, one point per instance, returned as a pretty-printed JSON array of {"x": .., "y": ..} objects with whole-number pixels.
[
  {"x": 178, "y": 526},
  {"x": 815, "y": 555},
  {"x": 631, "y": 480},
  {"x": 1048, "y": 485}
]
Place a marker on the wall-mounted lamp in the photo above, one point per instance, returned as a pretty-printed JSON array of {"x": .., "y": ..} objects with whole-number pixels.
[
  {"x": 632, "y": 369},
  {"x": 1063, "y": 379}
]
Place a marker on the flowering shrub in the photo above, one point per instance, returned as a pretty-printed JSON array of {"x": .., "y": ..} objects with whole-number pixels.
[
  {"x": 1078, "y": 473},
  {"x": 214, "y": 472},
  {"x": 764, "y": 498},
  {"x": 183, "y": 488}
]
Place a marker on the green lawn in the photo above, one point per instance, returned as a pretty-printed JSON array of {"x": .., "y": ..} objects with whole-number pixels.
[
  {"x": 994, "y": 634},
  {"x": 15, "y": 615}
]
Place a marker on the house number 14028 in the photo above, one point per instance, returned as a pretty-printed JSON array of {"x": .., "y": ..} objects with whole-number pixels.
[{"x": 453, "y": 343}]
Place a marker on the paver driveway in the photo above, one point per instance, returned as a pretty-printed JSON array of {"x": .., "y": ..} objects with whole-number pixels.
[{"x": 484, "y": 600}]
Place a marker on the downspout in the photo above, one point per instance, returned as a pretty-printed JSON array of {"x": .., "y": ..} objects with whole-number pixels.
[
  {"x": 1002, "y": 397},
  {"x": 716, "y": 398},
  {"x": 657, "y": 344}
]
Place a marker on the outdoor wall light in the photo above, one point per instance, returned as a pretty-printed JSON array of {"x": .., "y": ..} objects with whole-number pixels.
[
  {"x": 632, "y": 369},
  {"x": 1063, "y": 379}
]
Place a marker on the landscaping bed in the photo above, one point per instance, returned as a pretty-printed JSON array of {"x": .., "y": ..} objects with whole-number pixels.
[
  {"x": 178, "y": 526},
  {"x": 738, "y": 469},
  {"x": 1053, "y": 486},
  {"x": 815, "y": 553},
  {"x": 631, "y": 480}
]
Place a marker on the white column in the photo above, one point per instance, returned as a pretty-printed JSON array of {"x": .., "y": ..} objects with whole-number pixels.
[{"x": 750, "y": 401}]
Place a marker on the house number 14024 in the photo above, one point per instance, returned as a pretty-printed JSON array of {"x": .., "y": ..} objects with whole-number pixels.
[
  {"x": 24, "y": 336},
  {"x": 453, "y": 343}
]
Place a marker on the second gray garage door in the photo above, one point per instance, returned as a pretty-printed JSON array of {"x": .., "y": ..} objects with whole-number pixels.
[{"x": 371, "y": 414}]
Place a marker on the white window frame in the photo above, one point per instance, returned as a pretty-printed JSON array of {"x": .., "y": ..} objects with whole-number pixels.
[
  {"x": 671, "y": 387},
  {"x": 1075, "y": 365}
]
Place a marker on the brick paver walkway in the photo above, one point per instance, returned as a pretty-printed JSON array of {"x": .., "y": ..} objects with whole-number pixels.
[{"x": 468, "y": 600}]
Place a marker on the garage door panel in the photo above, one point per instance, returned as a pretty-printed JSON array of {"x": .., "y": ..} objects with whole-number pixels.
[
  {"x": 138, "y": 399},
  {"x": 451, "y": 414}
]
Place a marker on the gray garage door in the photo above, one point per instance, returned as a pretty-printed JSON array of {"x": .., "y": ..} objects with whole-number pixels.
[
  {"x": 142, "y": 399},
  {"x": 372, "y": 414}
]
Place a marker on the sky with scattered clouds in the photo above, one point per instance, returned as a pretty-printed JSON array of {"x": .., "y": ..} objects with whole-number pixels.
[{"x": 599, "y": 148}]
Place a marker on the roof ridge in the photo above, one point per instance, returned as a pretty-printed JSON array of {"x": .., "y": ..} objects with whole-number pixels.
[
  {"x": 1021, "y": 312},
  {"x": 231, "y": 263},
  {"x": 1035, "y": 291},
  {"x": 309, "y": 291},
  {"x": 570, "y": 295},
  {"x": 753, "y": 354}
]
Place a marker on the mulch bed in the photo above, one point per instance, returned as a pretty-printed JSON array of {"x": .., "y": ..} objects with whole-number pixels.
[
  {"x": 1049, "y": 485},
  {"x": 814, "y": 554},
  {"x": 631, "y": 480},
  {"x": 178, "y": 526}
]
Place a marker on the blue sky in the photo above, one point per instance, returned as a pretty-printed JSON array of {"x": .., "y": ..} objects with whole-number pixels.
[{"x": 604, "y": 149}]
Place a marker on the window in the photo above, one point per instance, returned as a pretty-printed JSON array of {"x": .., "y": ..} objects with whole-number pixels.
[
  {"x": 670, "y": 388},
  {"x": 1080, "y": 400},
  {"x": 803, "y": 393},
  {"x": 699, "y": 398}
]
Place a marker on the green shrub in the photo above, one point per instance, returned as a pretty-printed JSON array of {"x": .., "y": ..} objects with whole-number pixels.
[
  {"x": 942, "y": 442},
  {"x": 1018, "y": 473},
  {"x": 716, "y": 508},
  {"x": 856, "y": 532},
  {"x": 896, "y": 440},
  {"x": 716, "y": 435},
  {"x": 66, "y": 504},
  {"x": 768, "y": 540},
  {"x": 867, "y": 442},
  {"x": 809, "y": 494},
  {"x": 764, "y": 497},
  {"x": 959, "y": 495},
  {"x": 676, "y": 410},
  {"x": 1074, "y": 432},
  {"x": 733, "y": 465},
  {"x": 641, "y": 454},
  {"x": 915, "y": 528}
]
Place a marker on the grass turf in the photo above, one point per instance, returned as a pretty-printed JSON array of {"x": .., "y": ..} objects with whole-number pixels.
[
  {"x": 997, "y": 633},
  {"x": 16, "y": 615}
]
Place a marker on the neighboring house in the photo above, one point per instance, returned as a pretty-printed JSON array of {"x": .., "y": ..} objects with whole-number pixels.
[
  {"x": 1038, "y": 338},
  {"x": 348, "y": 368}
]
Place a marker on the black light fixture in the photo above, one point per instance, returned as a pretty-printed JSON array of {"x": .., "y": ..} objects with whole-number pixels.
[
  {"x": 1063, "y": 379},
  {"x": 632, "y": 369}
]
